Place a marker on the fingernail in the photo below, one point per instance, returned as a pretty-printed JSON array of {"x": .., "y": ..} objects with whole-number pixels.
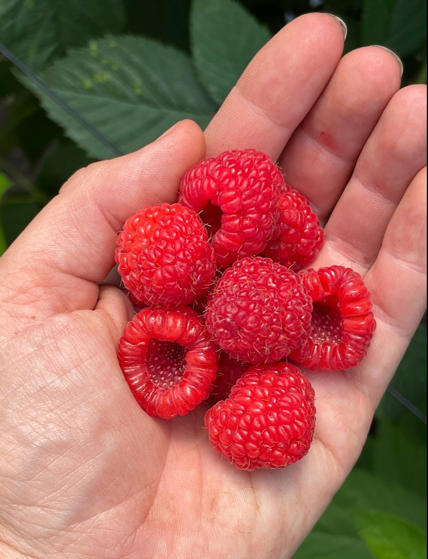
[
  {"x": 397, "y": 58},
  {"x": 169, "y": 131},
  {"x": 342, "y": 23}
]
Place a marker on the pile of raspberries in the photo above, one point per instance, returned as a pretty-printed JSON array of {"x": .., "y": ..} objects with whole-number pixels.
[{"x": 227, "y": 313}]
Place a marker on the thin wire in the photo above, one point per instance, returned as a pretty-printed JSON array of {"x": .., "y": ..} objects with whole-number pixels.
[
  {"x": 61, "y": 102},
  {"x": 116, "y": 151},
  {"x": 406, "y": 403}
]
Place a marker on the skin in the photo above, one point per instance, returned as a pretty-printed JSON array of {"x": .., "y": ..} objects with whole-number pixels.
[{"x": 84, "y": 472}]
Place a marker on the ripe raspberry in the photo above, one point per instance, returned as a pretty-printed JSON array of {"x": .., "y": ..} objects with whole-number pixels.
[
  {"x": 299, "y": 235},
  {"x": 238, "y": 193},
  {"x": 342, "y": 321},
  {"x": 164, "y": 256},
  {"x": 229, "y": 372},
  {"x": 200, "y": 305},
  {"x": 168, "y": 360},
  {"x": 268, "y": 421},
  {"x": 259, "y": 311}
]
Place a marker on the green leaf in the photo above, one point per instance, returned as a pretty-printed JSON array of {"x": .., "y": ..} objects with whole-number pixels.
[
  {"x": 38, "y": 31},
  {"x": 411, "y": 377},
  {"x": 149, "y": 19},
  {"x": 60, "y": 165},
  {"x": 15, "y": 214},
  {"x": 225, "y": 37},
  {"x": 131, "y": 89},
  {"x": 365, "y": 461},
  {"x": 342, "y": 6},
  {"x": 3, "y": 244},
  {"x": 415, "y": 429},
  {"x": 376, "y": 20},
  {"x": 337, "y": 534},
  {"x": 399, "y": 459},
  {"x": 338, "y": 521},
  {"x": 5, "y": 183},
  {"x": 391, "y": 538},
  {"x": 366, "y": 491},
  {"x": 327, "y": 546},
  {"x": 9, "y": 85},
  {"x": 397, "y": 24},
  {"x": 422, "y": 77}
]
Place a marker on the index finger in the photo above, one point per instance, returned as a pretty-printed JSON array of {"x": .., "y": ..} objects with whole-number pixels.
[{"x": 279, "y": 87}]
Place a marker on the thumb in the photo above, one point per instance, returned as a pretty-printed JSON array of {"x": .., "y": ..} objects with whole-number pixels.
[{"x": 56, "y": 264}]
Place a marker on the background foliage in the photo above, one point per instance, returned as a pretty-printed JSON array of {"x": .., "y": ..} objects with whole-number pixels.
[{"x": 132, "y": 69}]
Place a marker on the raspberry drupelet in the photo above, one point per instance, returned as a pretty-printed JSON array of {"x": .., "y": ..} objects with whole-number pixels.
[
  {"x": 237, "y": 194},
  {"x": 342, "y": 322},
  {"x": 169, "y": 360}
]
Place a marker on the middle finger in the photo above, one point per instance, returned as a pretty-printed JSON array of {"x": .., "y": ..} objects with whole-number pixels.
[{"x": 279, "y": 87}]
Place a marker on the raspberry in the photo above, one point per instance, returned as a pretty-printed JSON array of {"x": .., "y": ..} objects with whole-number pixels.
[
  {"x": 268, "y": 420},
  {"x": 299, "y": 236},
  {"x": 201, "y": 303},
  {"x": 238, "y": 194},
  {"x": 259, "y": 311},
  {"x": 168, "y": 360},
  {"x": 342, "y": 321},
  {"x": 164, "y": 256},
  {"x": 229, "y": 371},
  {"x": 138, "y": 304}
]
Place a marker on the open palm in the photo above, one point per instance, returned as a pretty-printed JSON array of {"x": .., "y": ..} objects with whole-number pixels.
[{"x": 84, "y": 472}]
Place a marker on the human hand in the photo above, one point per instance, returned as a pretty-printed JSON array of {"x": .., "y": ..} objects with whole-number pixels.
[{"x": 84, "y": 472}]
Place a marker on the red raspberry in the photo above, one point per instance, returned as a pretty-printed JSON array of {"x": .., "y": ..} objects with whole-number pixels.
[
  {"x": 268, "y": 421},
  {"x": 259, "y": 311},
  {"x": 200, "y": 305},
  {"x": 229, "y": 372},
  {"x": 342, "y": 321},
  {"x": 164, "y": 256},
  {"x": 168, "y": 360},
  {"x": 299, "y": 236},
  {"x": 238, "y": 193}
]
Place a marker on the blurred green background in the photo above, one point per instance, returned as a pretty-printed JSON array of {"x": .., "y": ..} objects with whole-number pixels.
[{"x": 131, "y": 69}]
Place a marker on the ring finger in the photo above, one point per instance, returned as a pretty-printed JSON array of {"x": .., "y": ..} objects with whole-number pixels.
[{"x": 320, "y": 157}]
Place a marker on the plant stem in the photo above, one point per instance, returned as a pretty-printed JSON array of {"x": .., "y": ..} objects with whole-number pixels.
[{"x": 37, "y": 196}]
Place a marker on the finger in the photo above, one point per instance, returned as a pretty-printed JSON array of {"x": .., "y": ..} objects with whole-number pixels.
[
  {"x": 392, "y": 157},
  {"x": 117, "y": 309},
  {"x": 279, "y": 87},
  {"x": 57, "y": 262},
  {"x": 320, "y": 157},
  {"x": 398, "y": 285},
  {"x": 113, "y": 278}
]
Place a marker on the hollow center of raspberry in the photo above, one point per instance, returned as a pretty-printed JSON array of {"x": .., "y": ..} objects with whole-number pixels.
[
  {"x": 166, "y": 363},
  {"x": 211, "y": 216},
  {"x": 327, "y": 322}
]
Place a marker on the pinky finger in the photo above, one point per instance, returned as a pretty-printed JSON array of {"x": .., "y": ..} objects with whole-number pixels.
[
  {"x": 398, "y": 284},
  {"x": 117, "y": 309}
]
